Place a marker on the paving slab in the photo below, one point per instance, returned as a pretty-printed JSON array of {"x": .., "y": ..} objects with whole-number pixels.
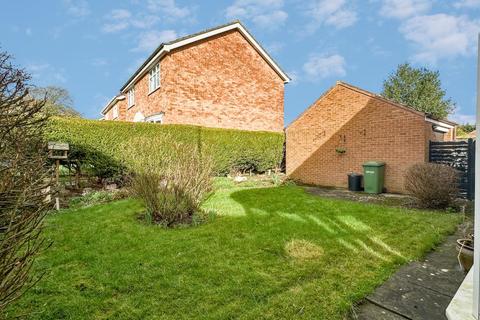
[
  {"x": 374, "y": 312},
  {"x": 410, "y": 300},
  {"x": 419, "y": 290}
]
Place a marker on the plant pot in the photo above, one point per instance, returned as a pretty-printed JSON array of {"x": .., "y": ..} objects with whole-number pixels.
[{"x": 465, "y": 253}]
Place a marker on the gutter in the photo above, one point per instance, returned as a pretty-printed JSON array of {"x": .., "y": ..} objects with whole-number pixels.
[{"x": 112, "y": 102}]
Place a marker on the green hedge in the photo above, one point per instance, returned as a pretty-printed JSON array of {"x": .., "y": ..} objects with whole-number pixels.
[{"x": 99, "y": 143}]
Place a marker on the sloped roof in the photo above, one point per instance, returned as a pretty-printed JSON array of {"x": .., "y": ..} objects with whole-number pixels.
[
  {"x": 112, "y": 102},
  {"x": 164, "y": 48},
  {"x": 374, "y": 96}
]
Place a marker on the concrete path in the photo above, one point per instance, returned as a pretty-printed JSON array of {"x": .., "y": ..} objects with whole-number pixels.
[{"x": 419, "y": 290}]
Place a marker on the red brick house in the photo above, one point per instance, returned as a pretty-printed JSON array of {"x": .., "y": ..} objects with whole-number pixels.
[
  {"x": 348, "y": 126},
  {"x": 221, "y": 77}
]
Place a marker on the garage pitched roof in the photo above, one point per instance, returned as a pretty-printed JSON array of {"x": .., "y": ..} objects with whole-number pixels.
[{"x": 374, "y": 96}]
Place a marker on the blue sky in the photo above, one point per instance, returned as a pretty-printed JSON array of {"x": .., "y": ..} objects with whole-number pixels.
[{"x": 92, "y": 47}]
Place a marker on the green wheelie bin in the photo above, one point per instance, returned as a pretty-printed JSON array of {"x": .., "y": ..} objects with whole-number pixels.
[{"x": 373, "y": 176}]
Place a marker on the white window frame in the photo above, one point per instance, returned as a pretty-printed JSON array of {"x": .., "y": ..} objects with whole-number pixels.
[
  {"x": 115, "y": 112},
  {"x": 131, "y": 97},
  {"x": 156, "y": 118},
  {"x": 154, "y": 78}
]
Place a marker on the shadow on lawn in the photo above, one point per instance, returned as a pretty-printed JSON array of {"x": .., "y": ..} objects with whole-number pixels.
[{"x": 323, "y": 222}]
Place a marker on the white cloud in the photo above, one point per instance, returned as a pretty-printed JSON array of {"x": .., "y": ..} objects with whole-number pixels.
[
  {"x": 118, "y": 20},
  {"x": 99, "y": 62},
  {"x": 46, "y": 74},
  {"x": 324, "y": 66},
  {"x": 274, "y": 47},
  {"x": 28, "y": 32},
  {"x": 151, "y": 39},
  {"x": 467, "y": 4},
  {"x": 463, "y": 118},
  {"x": 376, "y": 49},
  {"x": 145, "y": 21},
  {"x": 77, "y": 8},
  {"x": 59, "y": 76},
  {"x": 402, "y": 9},
  {"x": 115, "y": 26},
  {"x": 334, "y": 13},
  {"x": 441, "y": 36},
  {"x": 294, "y": 78},
  {"x": 121, "y": 19},
  {"x": 168, "y": 7},
  {"x": 268, "y": 14},
  {"x": 270, "y": 20},
  {"x": 117, "y": 14},
  {"x": 36, "y": 68}
]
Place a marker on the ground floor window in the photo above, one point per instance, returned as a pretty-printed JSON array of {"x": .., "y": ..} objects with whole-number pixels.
[{"x": 155, "y": 118}]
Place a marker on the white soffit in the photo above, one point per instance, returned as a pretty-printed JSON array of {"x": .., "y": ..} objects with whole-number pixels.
[{"x": 439, "y": 123}]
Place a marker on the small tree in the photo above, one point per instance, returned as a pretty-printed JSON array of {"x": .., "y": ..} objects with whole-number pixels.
[
  {"x": 58, "y": 101},
  {"x": 23, "y": 180},
  {"x": 420, "y": 89}
]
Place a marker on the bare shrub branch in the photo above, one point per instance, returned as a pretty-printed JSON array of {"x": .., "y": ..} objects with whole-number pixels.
[
  {"x": 434, "y": 185},
  {"x": 23, "y": 181},
  {"x": 172, "y": 183}
]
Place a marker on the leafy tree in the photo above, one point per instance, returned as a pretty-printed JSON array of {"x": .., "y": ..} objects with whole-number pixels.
[
  {"x": 58, "y": 101},
  {"x": 420, "y": 89},
  {"x": 467, "y": 127},
  {"x": 24, "y": 179}
]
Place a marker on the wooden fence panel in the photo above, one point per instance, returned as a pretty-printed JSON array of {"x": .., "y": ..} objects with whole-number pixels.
[{"x": 461, "y": 156}]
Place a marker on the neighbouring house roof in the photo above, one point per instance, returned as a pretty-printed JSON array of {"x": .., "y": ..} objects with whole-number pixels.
[
  {"x": 112, "y": 102},
  {"x": 164, "y": 48},
  {"x": 443, "y": 122}
]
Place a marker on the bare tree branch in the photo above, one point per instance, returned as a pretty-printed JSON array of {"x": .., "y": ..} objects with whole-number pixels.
[{"x": 24, "y": 177}]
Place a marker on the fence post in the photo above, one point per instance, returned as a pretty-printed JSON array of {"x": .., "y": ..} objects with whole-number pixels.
[{"x": 471, "y": 170}]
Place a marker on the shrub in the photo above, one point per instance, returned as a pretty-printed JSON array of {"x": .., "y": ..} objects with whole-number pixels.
[
  {"x": 434, "y": 185},
  {"x": 97, "y": 197},
  {"x": 98, "y": 145},
  {"x": 172, "y": 182}
]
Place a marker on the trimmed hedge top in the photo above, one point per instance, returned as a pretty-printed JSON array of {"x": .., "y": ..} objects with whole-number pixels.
[{"x": 102, "y": 142}]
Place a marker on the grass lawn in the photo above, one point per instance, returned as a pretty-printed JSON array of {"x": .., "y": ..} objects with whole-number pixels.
[{"x": 271, "y": 253}]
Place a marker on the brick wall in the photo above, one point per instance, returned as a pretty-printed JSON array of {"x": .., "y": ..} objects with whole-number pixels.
[
  {"x": 122, "y": 110},
  {"x": 219, "y": 82},
  {"x": 438, "y": 136},
  {"x": 366, "y": 127}
]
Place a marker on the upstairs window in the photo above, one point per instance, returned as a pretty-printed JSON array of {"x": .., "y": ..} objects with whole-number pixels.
[
  {"x": 154, "y": 78},
  {"x": 131, "y": 97}
]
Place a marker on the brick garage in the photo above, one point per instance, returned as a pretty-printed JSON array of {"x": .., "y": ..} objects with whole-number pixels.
[
  {"x": 367, "y": 127},
  {"x": 224, "y": 79}
]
